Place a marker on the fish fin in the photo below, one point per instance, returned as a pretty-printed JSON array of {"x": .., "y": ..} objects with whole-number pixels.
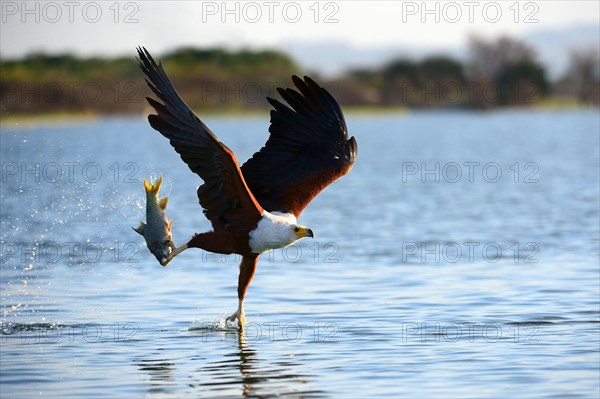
[
  {"x": 153, "y": 188},
  {"x": 140, "y": 228},
  {"x": 162, "y": 203}
]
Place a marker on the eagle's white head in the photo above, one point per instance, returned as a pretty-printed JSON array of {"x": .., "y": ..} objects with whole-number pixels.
[{"x": 276, "y": 230}]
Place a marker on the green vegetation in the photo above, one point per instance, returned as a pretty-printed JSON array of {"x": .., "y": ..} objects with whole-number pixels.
[
  {"x": 498, "y": 73},
  {"x": 214, "y": 79}
]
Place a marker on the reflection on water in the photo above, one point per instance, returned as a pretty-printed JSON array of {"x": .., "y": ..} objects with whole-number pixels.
[
  {"x": 239, "y": 371},
  {"x": 245, "y": 371},
  {"x": 417, "y": 285},
  {"x": 159, "y": 372}
]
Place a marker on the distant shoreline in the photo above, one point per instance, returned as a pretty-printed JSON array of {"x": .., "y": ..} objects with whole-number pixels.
[{"x": 33, "y": 120}]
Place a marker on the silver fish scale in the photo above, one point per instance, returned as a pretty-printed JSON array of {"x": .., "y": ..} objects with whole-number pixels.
[{"x": 156, "y": 222}]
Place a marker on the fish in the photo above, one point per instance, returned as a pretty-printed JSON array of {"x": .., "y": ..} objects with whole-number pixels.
[{"x": 157, "y": 229}]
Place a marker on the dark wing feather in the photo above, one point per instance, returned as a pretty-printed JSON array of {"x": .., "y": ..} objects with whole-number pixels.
[
  {"x": 308, "y": 149},
  {"x": 226, "y": 199}
]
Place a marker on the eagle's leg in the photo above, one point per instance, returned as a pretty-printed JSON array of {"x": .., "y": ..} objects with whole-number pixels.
[{"x": 247, "y": 268}]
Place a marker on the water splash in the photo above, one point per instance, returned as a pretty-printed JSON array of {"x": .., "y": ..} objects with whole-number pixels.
[{"x": 219, "y": 324}]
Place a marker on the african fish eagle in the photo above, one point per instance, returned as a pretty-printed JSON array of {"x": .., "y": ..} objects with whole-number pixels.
[{"x": 254, "y": 209}]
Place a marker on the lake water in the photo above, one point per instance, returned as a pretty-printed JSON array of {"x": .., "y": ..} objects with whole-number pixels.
[{"x": 459, "y": 258}]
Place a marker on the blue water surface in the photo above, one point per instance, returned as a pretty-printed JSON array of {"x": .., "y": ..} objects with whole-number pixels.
[{"x": 459, "y": 258}]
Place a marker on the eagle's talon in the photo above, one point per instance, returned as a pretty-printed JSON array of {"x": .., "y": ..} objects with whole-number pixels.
[
  {"x": 240, "y": 316},
  {"x": 176, "y": 251}
]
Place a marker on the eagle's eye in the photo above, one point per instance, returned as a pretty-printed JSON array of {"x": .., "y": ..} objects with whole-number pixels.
[{"x": 297, "y": 229}]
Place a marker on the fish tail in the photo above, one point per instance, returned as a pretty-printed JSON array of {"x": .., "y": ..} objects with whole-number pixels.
[{"x": 152, "y": 188}]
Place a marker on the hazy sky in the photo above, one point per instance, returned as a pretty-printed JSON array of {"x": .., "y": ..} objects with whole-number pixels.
[{"x": 111, "y": 28}]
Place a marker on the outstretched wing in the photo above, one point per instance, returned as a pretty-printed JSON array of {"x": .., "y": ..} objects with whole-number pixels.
[
  {"x": 308, "y": 149},
  {"x": 225, "y": 197}
]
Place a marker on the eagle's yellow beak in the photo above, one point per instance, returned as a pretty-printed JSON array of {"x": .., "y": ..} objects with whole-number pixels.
[{"x": 302, "y": 232}]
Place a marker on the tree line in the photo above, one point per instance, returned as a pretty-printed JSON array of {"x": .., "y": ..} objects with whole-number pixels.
[{"x": 501, "y": 72}]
